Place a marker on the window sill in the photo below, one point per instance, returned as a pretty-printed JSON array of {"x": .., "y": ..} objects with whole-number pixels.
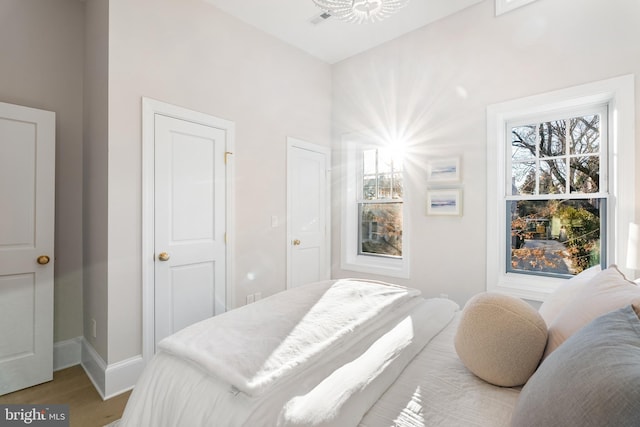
[
  {"x": 378, "y": 266},
  {"x": 525, "y": 286}
]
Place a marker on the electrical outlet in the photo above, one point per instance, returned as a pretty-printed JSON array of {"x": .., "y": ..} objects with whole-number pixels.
[
  {"x": 445, "y": 296},
  {"x": 94, "y": 328},
  {"x": 251, "y": 298}
]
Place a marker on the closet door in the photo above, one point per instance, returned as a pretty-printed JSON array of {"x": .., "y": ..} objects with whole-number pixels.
[
  {"x": 190, "y": 223},
  {"x": 308, "y": 204},
  {"x": 27, "y": 173}
]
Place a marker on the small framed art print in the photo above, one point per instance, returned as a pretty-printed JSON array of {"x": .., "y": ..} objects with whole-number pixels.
[
  {"x": 444, "y": 202},
  {"x": 444, "y": 170}
]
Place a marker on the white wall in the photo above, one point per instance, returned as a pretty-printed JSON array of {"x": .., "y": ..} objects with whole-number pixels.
[
  {"x": 433, "y": 87},
  {"x": 95, "y": 161},
  {"x": 188, "y": 53},
  {"x": 41, "y": 46}
]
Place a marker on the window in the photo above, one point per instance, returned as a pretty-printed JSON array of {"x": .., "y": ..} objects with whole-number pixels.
[
  {"x": 374, "y": 225},
  {"x": 380, "y": 204},
  {"x": 556, "y": 193},
  {"x": 560, "y": 185}
]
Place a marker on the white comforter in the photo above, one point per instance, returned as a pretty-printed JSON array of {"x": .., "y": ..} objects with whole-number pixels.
[
  {"x": 436, "y": 390},
  {"x": 314, "y": 356}
]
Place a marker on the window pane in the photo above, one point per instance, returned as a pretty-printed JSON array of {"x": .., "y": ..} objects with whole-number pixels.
[
  {"x": 552, "y": 138},
  {"x": 385, "y": 161},
  {"x": 553, "y": 176},
  {"x": 381, "y": 229},
  {"x": 585, "y": 174},
  {"x": 523, "y": 178},
  {"x": 523, "y": 143},
  {"x": 585, "y": 134},
  {"x": 369, "y": 162},
  {"x": 398, "y": 188},
  {"x": 557, "y": 237},
  {"x": 382, "y": 175},
  {"x": 385, "y": 181},
  {"x": 369, "y": 188}
]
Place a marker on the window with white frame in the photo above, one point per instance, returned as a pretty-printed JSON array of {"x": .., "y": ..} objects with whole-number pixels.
[
  {"x": 560, "y": 185},
  {"x": 374, "y": 224},
  {"x": 380, "y": 203},
  {"x": 556, "y": 192}
]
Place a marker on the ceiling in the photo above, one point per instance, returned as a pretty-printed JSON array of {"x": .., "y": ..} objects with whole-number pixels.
[{"x": 333, "y": 40}]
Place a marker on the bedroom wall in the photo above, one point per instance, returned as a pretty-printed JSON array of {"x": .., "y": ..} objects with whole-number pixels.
[
  {"x": 188, "y": 53},
  {"x": 41, "y": 45},
  {"x": 432, "y": 88},
  {"x": 95, "y": 160}
]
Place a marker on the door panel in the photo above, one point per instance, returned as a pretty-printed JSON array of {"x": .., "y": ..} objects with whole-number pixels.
[
  {"x": 189, "y": 223},
  {"x": 18, "y": 292},
  {"x": 192, "y": 291},
  {"x": 27, "y": 168},
  {"x": 308, "y": 205},
  {"x": 18, "y": 160}
]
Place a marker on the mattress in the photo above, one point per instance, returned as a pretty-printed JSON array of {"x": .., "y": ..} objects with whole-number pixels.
[{"x": 436, "y": 389}]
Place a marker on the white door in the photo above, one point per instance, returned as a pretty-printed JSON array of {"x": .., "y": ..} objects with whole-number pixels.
[
  {"x": 189, "y": 223},
  {"x": 309, "y": 207},
  {"x": 27, "y": 178}
]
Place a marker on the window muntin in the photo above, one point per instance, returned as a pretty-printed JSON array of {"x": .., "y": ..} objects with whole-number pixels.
[
  {"x": 380, "y": 203},
  {"x": 555, "y": 203}
]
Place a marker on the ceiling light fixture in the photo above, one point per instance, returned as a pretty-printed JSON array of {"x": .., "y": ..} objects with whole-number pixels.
[{"x": 360, "y": 11}]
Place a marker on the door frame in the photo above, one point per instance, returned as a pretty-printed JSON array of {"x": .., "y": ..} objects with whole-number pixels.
[
  {"x": 293, "y": 144},
  {"x": 151, "y": 107}
]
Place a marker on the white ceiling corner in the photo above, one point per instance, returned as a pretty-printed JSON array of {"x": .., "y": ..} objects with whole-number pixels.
[{"x": 334, "y": 40}]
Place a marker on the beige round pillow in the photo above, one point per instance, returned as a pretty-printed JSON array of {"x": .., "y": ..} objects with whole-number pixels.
[{"x": 500, "y": 339}]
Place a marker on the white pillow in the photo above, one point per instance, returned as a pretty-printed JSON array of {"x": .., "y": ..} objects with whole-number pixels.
[
  {"x": 553, "y": 305},
  {"x": 607, "y": 291}
]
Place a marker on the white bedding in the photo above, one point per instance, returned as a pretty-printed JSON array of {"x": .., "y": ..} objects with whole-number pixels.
[
  {"x": 334, "y": 388},
  {"x": 290, "y": 331},
  {"x": 343, "y": 397},
  {"x": 437, "y": 390}
]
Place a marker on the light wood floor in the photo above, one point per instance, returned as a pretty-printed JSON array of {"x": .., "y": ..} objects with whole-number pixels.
[{"x": 72, "y": 386}]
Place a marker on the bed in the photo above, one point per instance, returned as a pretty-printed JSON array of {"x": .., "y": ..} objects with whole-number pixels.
[{"x": 335, "y": 353}]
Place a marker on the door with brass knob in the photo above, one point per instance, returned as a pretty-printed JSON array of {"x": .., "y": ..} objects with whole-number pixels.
[
  {"x": 307, "y": 212},
  {"x": 189, "y": 187},
  {"x": 27, "y": 194}
]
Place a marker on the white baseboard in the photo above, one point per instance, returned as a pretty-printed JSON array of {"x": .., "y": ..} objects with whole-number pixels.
[
  {"x": 122, "y": 376},
  {"x": 67, "y": 353},
  {"x": 94, "y": 366},
  {"x": 110, "y": 380}
]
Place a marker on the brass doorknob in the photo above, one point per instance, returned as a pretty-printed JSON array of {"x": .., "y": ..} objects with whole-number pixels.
[
  {"x": 43, "y": 260},
  {"x": 296, "y": 242},
  {"x": 163, "y": 256}
]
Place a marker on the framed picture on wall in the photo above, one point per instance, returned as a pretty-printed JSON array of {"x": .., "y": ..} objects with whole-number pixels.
[
  {"x": 444, "y": 202},
  {"x": 444, "y": 170}
]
